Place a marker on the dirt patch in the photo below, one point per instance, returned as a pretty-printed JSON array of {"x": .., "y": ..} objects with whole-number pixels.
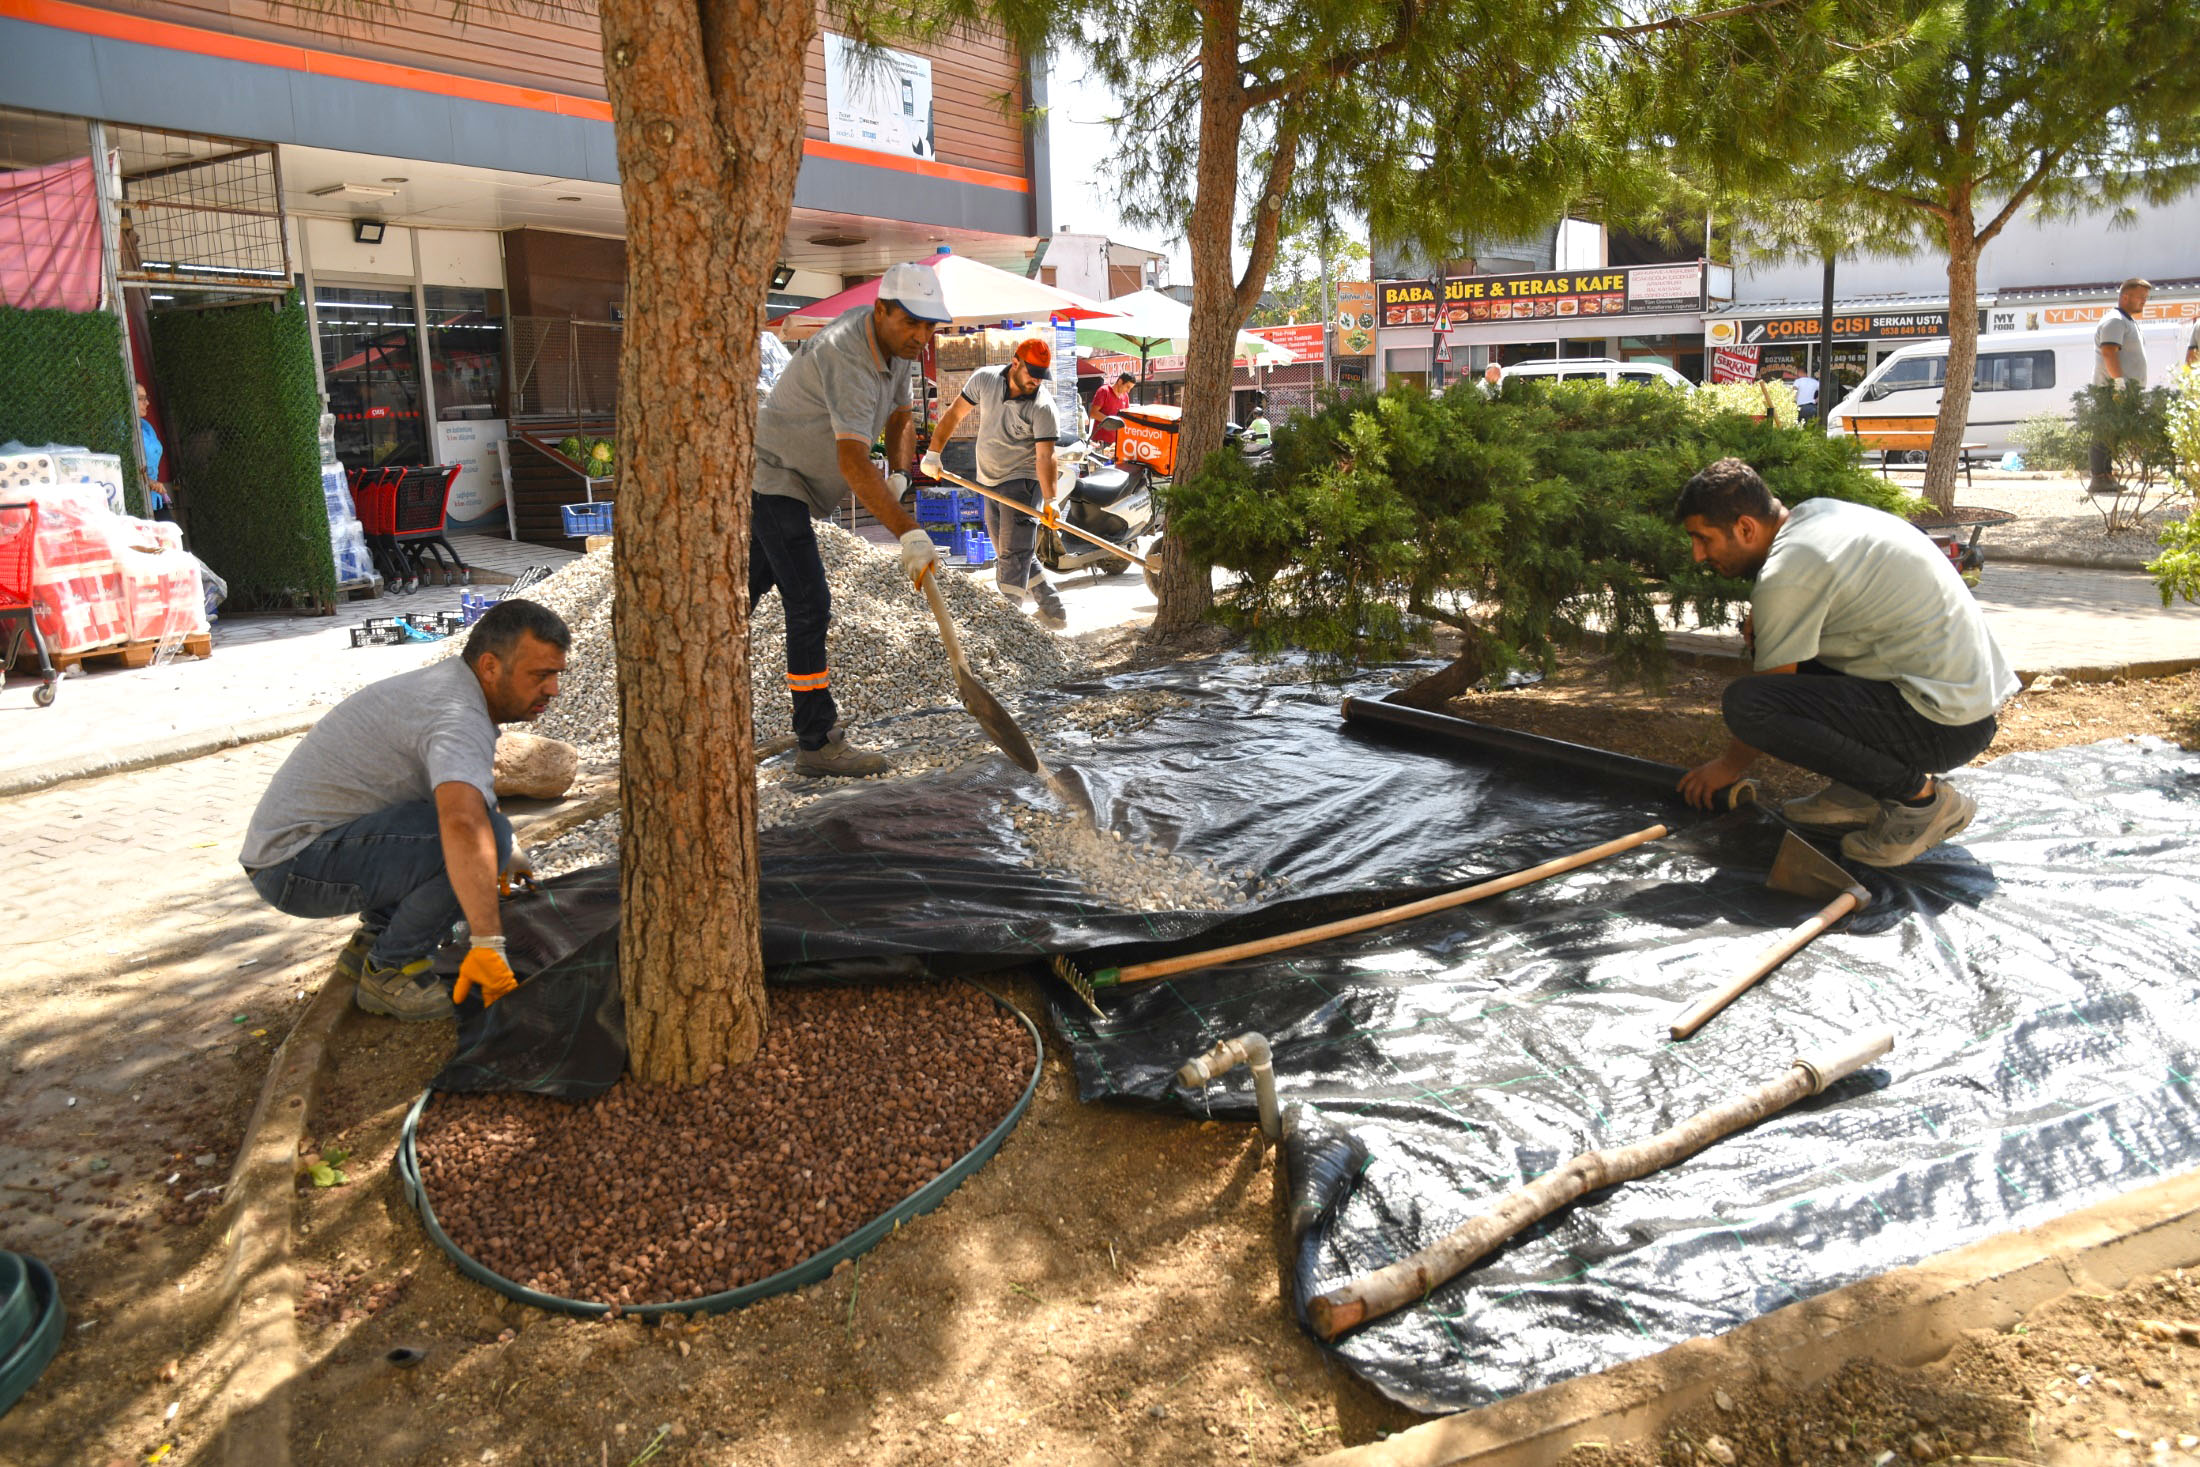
[{"x": 2087, "y": 1378}]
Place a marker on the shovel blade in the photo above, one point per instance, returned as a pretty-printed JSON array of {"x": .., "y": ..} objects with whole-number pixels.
[
  {"x": 994, "y": 719},
  {"x": 1801, "y": 869}
]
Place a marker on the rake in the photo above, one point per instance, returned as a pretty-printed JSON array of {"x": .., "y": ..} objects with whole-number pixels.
[{"x": 1086, "y": 986}]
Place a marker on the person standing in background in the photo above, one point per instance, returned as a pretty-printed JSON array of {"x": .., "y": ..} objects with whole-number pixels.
[
  {"x": 2120, "y": 361},
  {"x": 1111, "y": 399},
  {"x": 156, "y": 501},
  {"x": 1017, "y": 428}
]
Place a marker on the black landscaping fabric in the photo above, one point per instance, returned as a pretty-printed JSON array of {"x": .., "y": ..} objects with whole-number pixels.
[{"x": 2041, "y": 976}]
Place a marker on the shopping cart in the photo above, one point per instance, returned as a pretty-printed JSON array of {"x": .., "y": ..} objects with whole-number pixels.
[
  {"x": 423, "y": 497},
  {"x": 18, "y": 544},
  {"x": 374, "y": 494}
]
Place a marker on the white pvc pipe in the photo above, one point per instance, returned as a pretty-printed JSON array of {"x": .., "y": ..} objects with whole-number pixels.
[{"x": 1250, "y": 1050}]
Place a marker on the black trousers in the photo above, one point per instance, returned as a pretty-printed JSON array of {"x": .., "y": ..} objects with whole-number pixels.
[
  {"x": 783, "y": 553},
  {"x": 1860, "y": 732}
]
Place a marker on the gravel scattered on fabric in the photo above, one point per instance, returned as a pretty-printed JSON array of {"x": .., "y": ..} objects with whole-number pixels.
[
  {"x": 1129, "y": 875},
  {"x": 659, "y": 1195}
]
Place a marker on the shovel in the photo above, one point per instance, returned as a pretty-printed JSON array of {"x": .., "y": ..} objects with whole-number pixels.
[
  {"x": 1046, "y": 516},
  {"x": 1798, "y": 870},
  {"x": 976, "y": 696}
]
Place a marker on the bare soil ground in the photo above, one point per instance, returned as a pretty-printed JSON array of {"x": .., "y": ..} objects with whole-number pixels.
[{"x": 1107, "y": 1290}]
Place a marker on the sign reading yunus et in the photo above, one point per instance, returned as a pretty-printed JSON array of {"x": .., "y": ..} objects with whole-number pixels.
[{"x": 878, "y": 99}]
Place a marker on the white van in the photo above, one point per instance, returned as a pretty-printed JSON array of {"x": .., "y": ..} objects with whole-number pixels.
[
  {"x": 2021, "y": 374},
  {"x": 1599, "y": 369}
]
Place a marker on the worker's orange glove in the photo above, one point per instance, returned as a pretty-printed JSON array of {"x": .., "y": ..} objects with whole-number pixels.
[{"x": 485, "y": 969}]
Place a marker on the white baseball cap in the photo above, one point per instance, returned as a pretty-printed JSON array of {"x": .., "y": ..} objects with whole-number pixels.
[{"x": 916, "y": 290}]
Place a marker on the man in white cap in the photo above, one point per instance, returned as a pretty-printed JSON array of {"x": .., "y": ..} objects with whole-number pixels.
[{"x": 845, "y": 387}]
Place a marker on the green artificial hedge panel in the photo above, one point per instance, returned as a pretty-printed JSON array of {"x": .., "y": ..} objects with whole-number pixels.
[
  {"x": 62, "y": 381},
  {"x": 244, "y": 413}
]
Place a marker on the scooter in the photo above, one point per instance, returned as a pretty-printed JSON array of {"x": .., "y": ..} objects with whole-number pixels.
[{"x": 1116, "y": 504}]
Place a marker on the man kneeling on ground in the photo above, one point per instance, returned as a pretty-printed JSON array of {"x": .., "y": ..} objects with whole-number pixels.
[
  {"x": 1874, "y": 666},
  {"x": 389, "y": 809}
]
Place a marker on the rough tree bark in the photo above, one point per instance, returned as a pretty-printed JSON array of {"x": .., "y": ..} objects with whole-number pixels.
[
  {"x": 1955, "y": 396},
  {"x": 1221, "y": 300},
  {"x": 706, "y": 100}
]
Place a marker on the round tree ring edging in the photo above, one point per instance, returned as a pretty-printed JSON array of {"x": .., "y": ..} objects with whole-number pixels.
[{"x": 817, "y": 1266}]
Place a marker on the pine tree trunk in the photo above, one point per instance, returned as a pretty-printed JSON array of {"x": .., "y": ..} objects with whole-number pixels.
[
  {"x": 1186, "y": 585},
  {"x": 1955, "y": 397},
  {"x": 706, "y": 99}
]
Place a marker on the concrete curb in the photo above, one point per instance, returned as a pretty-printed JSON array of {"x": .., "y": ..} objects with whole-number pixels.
[
  {"x": 1906, "y": 1317},
  {"x": 24, "y": 779}
]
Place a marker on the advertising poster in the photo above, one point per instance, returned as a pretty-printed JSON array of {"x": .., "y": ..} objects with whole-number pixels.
[
  {"x": 1734, "y": 364},
  {"x": 1304, "y": 341},
  {"x": 878, "y": 99},
  {"x": 479, "y": 488},
  {"x": 1655, "y": 288},
  {"x": 1356, "y": 318}
]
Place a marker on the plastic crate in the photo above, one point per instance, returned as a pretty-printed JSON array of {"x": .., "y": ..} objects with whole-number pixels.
[
  {"x": 948, "y": 507},
  {"x": 586, "y": 519},
  {"x": 943, "y": 536},
  {"x": 474, "y": 605}
]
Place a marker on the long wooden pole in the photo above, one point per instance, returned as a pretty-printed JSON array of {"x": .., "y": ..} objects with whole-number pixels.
[
  {"x": 1387, "y": 1290},
  {"x": 1163, "y": 967},
  {"x": 1791, "y": 942},
  {"x": 1052, "y": 521}
]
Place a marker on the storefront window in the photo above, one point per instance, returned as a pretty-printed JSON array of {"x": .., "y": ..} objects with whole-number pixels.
[
  {"x": 466, "y": 351},
  {"x": 371, "y": 368}
]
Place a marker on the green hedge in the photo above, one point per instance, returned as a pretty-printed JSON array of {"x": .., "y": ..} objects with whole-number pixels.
[
  {"x": 244, "y": 411},
  {"x": 1525, "y": 522},
  {"x": 62, "y": 381}
]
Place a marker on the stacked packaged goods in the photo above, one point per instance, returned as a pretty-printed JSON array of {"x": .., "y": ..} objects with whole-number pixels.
[
  {"x": 76, "y": 586},
  {"x": 347, "y": 538}
]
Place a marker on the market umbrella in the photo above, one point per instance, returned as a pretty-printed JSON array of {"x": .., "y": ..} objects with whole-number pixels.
[
  {"x": 1146, "y": 323},
  {"x": 977, "y": 293}
]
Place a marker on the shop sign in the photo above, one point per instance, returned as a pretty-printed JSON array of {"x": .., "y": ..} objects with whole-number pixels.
[
  {"x": 1356, "y": 318},
  {"x": 878, "y": 99},
  {"x": 1304, "y": 341},
  {"x": 1877, "y": 326},
  {"x": 1734, "y": 364},
  {"x": 2034, "y": 318},
  {"x": 479, "y": 487},
  {"x": 1407, "y": 302}
]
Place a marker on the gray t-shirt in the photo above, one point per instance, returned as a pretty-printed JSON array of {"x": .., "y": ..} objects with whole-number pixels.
[
  {"x": 1010, "y": 428},
  {"x": 1869, "y": 595},
  {"x": 390, "y": 743},
  {"x": 838, "y": 385},
  {"x": 2120, "y": 331}
]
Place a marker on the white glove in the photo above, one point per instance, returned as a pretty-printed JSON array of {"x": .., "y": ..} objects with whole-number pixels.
[
  {"x": 2125, "y": 382},
  {"x": 897, "y": 483},
  {"x": 931, "y": 464},
  {"x": 918, "y": 555}
]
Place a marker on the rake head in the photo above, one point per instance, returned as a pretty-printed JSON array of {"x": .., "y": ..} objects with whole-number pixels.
[{"x": 1084, "y": 987}]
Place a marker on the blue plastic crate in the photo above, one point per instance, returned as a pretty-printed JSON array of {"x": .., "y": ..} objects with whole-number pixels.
[
  {"x": 943, "y": 536},
  {"x": 948, "y": 507},
  {"x": 586, "y": 519}
]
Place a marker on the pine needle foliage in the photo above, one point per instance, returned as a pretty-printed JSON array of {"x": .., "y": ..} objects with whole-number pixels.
[{"x": 1525, "y": 522}]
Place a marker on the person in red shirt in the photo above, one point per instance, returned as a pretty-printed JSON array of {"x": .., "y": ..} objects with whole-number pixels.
[{"x": 1111, "y": 399}]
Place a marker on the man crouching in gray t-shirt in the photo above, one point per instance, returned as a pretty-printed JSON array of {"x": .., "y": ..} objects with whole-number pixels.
[
  {"x": 1890, "y": 674},
  {"x": 389, "y": 809}
]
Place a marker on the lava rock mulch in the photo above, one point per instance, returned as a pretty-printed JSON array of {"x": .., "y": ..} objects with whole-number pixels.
[{"x": 656, "y": 1194}]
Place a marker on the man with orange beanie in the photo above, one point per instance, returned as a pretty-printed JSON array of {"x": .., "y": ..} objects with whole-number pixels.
[{"x": 1017, "y": 429}]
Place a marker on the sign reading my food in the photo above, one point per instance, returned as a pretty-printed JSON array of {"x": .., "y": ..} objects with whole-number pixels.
[{"x": 1468, "y": 299}]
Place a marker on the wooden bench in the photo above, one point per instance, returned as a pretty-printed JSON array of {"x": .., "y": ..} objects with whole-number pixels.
[{"x": 1899, "y": 435}]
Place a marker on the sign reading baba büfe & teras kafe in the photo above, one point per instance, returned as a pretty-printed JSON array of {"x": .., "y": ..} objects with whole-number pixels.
[{"x": 1466, "y": 300}]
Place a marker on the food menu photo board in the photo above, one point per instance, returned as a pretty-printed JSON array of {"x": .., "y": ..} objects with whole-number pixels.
[
  {"x": 1356, "y": 316},
  {"x": 1473, "y": 299}
]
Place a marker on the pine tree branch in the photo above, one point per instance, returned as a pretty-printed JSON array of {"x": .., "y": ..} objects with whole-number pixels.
[
  {"x": 2031, "y": 185},
  {"x": 1939, "y": 211},
  {"x": 1268, "y": 216},
  {"x": 1344, "y": 63},
  {"x": 1675, "y": 22}
]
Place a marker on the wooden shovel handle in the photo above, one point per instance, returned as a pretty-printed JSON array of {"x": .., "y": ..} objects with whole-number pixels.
[
  {"x": 1348, "y": 925},
  {"x": 1791, "y": 942},
  {"x": 930, "y": 583},
  {"x": 1024, "y": 509}
]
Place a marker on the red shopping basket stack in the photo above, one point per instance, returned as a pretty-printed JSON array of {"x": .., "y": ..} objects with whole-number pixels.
[
  {"x": 18, "y": 542},
  {"x": 423, "y": 498}
]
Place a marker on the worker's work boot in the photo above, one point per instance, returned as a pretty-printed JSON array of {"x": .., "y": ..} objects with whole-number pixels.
[
  {"x": 839, "y": 758},
  {"x": 1836, "y": 807},
  {"x": 1053, "y": 615},
  {"x": 410, "y": 992},
  {"x": 1900, "y": 833},
  {"x": 353, "y": 958}
]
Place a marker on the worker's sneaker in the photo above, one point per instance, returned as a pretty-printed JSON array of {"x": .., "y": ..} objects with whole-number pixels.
[
  {"x": 410, "y": 992},
  {"x": 1900, "y": 833},
  {"x": 1836, "y": 807},
  {"x": 353, "y": 958},
  {"x": 840, "y": 758}
]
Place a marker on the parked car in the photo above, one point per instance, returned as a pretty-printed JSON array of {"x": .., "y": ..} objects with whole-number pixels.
[
  {"x": 1599, "y": 369},
  {"x": 2020, "y": 375}
]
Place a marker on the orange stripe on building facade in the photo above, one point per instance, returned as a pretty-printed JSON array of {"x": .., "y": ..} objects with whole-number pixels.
[{"x": 168, "y": 35}]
